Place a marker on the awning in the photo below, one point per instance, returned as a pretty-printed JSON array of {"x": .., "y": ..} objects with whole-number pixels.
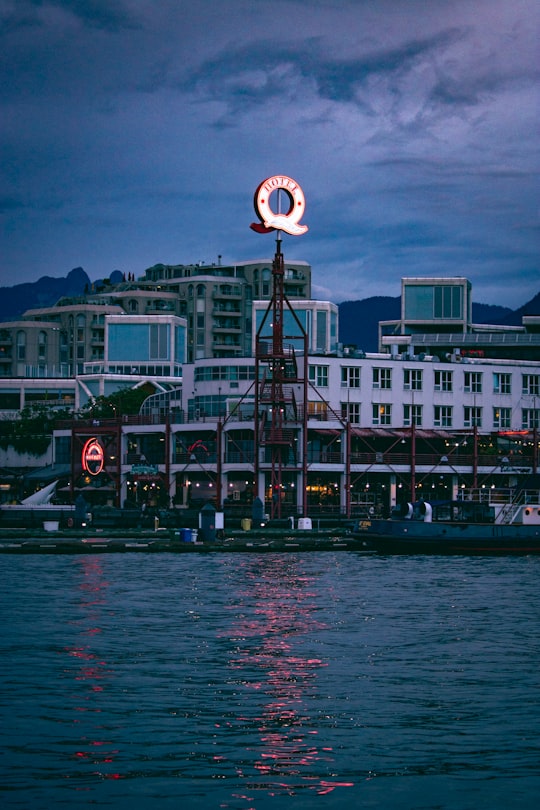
[
  {"x": 49, "y": 473},
  {"x": 374, "y": 433}
]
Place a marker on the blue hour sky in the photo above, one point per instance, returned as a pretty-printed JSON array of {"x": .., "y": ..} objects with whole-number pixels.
[{"x": 136, "y": 131}]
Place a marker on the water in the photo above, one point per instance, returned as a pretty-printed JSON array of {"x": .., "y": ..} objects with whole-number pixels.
[{"x": 239, "y": 681}]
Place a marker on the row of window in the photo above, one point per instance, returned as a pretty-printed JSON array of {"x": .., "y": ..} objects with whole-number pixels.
[
  {"x": 208, "y": 373},
  {"x": 413, "y": 380},
  {"x": 443, "y": 416}
]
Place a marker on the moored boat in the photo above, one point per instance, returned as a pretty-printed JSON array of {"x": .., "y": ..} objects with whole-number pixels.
[{"x": 511, "y": 526}]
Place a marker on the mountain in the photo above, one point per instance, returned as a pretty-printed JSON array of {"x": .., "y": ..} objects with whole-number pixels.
[
  {"x": 359, "y": 320},
  {"x": 532, "y": 307},
  {"x": 42, "y": 293}
]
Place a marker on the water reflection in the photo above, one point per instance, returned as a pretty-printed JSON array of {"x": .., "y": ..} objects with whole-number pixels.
[
  {"x": 274, "y": 628},
  {"x": 88, "y": 669}
]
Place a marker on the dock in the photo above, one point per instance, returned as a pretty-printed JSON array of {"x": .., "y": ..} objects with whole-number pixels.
[{"x": 17, "y": 541}]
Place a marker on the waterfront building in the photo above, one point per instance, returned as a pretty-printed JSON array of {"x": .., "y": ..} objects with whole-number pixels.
[
  {"x": 362, "y": 432},
  {"x": 371, "y": 423}
]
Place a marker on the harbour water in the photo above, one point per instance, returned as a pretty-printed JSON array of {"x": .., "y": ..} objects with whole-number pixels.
[{"x": 254, "y": 681}]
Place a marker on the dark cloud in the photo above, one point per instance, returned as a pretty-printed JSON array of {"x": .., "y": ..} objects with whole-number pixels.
[
  {"x": 259, "y": 70},
  {"x": 107, "y": 14},
  {"x": 137, "y": 132}
]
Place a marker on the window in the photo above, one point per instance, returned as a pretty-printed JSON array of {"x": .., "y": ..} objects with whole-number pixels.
[
  {"x": 412, "y": 379},
  {"x": 81, "y": 325},
  {"x": 382, "y": 414},
  {"x": 502, "y": 383},
  {"x": 159, "y": 341},
  {"x": 502, "y": 418},
  {"x": 443, "y": 380},
  {"x": 472, "y": 416},
  {"x": 350, "y": 376},
  {"x": 266, "y": 276},
  {"x": 21, "y": 345},
  {"x": 42, "y": 345},
  {"x": 530, "y": 418},
  {"x": 231, "y": 373},
  {"x": 531, "y": 384},
  {"x": 318, "y": 376},
  {"x": 351, "y": 412},
  {"x": 447, "y": 302},
  {"x": 317, "y": 410},
  {"x": 442, "y": 416},
  {"x": 473, "y": 382},
  {"x": 412, "y": 415},
  {"x": 382, "y": 378},
  {"x": 320, "y": 332}
]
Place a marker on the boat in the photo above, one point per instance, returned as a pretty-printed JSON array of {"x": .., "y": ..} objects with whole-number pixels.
[
  {"x": 38, "y": 509},
  {"x": 507, "y": 525}
]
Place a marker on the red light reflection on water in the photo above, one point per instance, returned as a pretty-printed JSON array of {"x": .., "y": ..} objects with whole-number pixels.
[
  {"x": 90, "y": 669},
  {"x": 284, "y": 612}
]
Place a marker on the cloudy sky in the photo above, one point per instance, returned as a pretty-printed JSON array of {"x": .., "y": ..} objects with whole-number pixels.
[{"x": 136, "y": 131}]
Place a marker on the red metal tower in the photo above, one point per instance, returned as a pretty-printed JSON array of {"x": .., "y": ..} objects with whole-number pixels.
[{"x": 280, "y": 433}]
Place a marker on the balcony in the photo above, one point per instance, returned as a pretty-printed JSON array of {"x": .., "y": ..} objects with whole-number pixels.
[
  {"x": 225, "y": 345},
  {"x": 232, "y": 329},
  {"x": 227, "y": 311},
  {"x": 228, "y": 294},
  {"x": 160, "y": 308}
]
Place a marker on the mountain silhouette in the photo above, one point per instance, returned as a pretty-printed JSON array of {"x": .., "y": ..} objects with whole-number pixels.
[
  {"x": 358, "y": 320},
  {"x": 42, "y": 293}
]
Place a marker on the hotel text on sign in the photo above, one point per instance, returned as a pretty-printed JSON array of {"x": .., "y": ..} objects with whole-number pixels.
[{"x": 269, "y": 220}]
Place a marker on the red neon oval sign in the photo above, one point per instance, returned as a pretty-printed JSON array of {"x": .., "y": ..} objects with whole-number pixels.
[{"x": 93, "y": 457}]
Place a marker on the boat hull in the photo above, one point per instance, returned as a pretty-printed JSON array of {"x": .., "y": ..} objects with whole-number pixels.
[{"x": 406, "y": 536}]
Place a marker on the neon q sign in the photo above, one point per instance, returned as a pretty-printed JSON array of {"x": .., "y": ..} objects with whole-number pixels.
[{"x": 269, "y": 219}]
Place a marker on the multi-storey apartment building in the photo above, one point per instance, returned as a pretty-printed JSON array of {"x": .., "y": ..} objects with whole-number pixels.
[{"x": 216, "y": 301}]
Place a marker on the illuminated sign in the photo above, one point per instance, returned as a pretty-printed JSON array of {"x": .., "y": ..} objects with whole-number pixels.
[
  {"x": 269, "y": 220},
  {"x": 144, "y": 469},
  {"x": 93, "y": 457}
]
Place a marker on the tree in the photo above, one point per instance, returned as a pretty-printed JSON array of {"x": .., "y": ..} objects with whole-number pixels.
[
  {"x": 125, "y": 402},
  {"x": 32, "y": 431}
]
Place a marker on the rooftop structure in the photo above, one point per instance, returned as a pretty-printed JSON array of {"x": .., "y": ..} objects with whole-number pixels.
[{"x": 436, "y": 320}]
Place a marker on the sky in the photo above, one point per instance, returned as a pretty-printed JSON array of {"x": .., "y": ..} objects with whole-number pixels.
[{"x": 137, "y": 131}]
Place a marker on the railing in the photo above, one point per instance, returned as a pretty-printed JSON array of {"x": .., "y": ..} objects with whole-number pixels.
[
  {"x": 499, "y": 495},
  {"x": 218, "y": 310},
  {"x": 277, "y": 436},
  {"x": 324, "y": 457}
]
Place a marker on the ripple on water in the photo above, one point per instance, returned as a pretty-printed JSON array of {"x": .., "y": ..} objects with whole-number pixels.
[{"x": 327, "y": 679}]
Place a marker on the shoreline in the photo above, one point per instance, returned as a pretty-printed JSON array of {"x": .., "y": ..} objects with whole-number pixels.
[{"x": 17, "y": 541}]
